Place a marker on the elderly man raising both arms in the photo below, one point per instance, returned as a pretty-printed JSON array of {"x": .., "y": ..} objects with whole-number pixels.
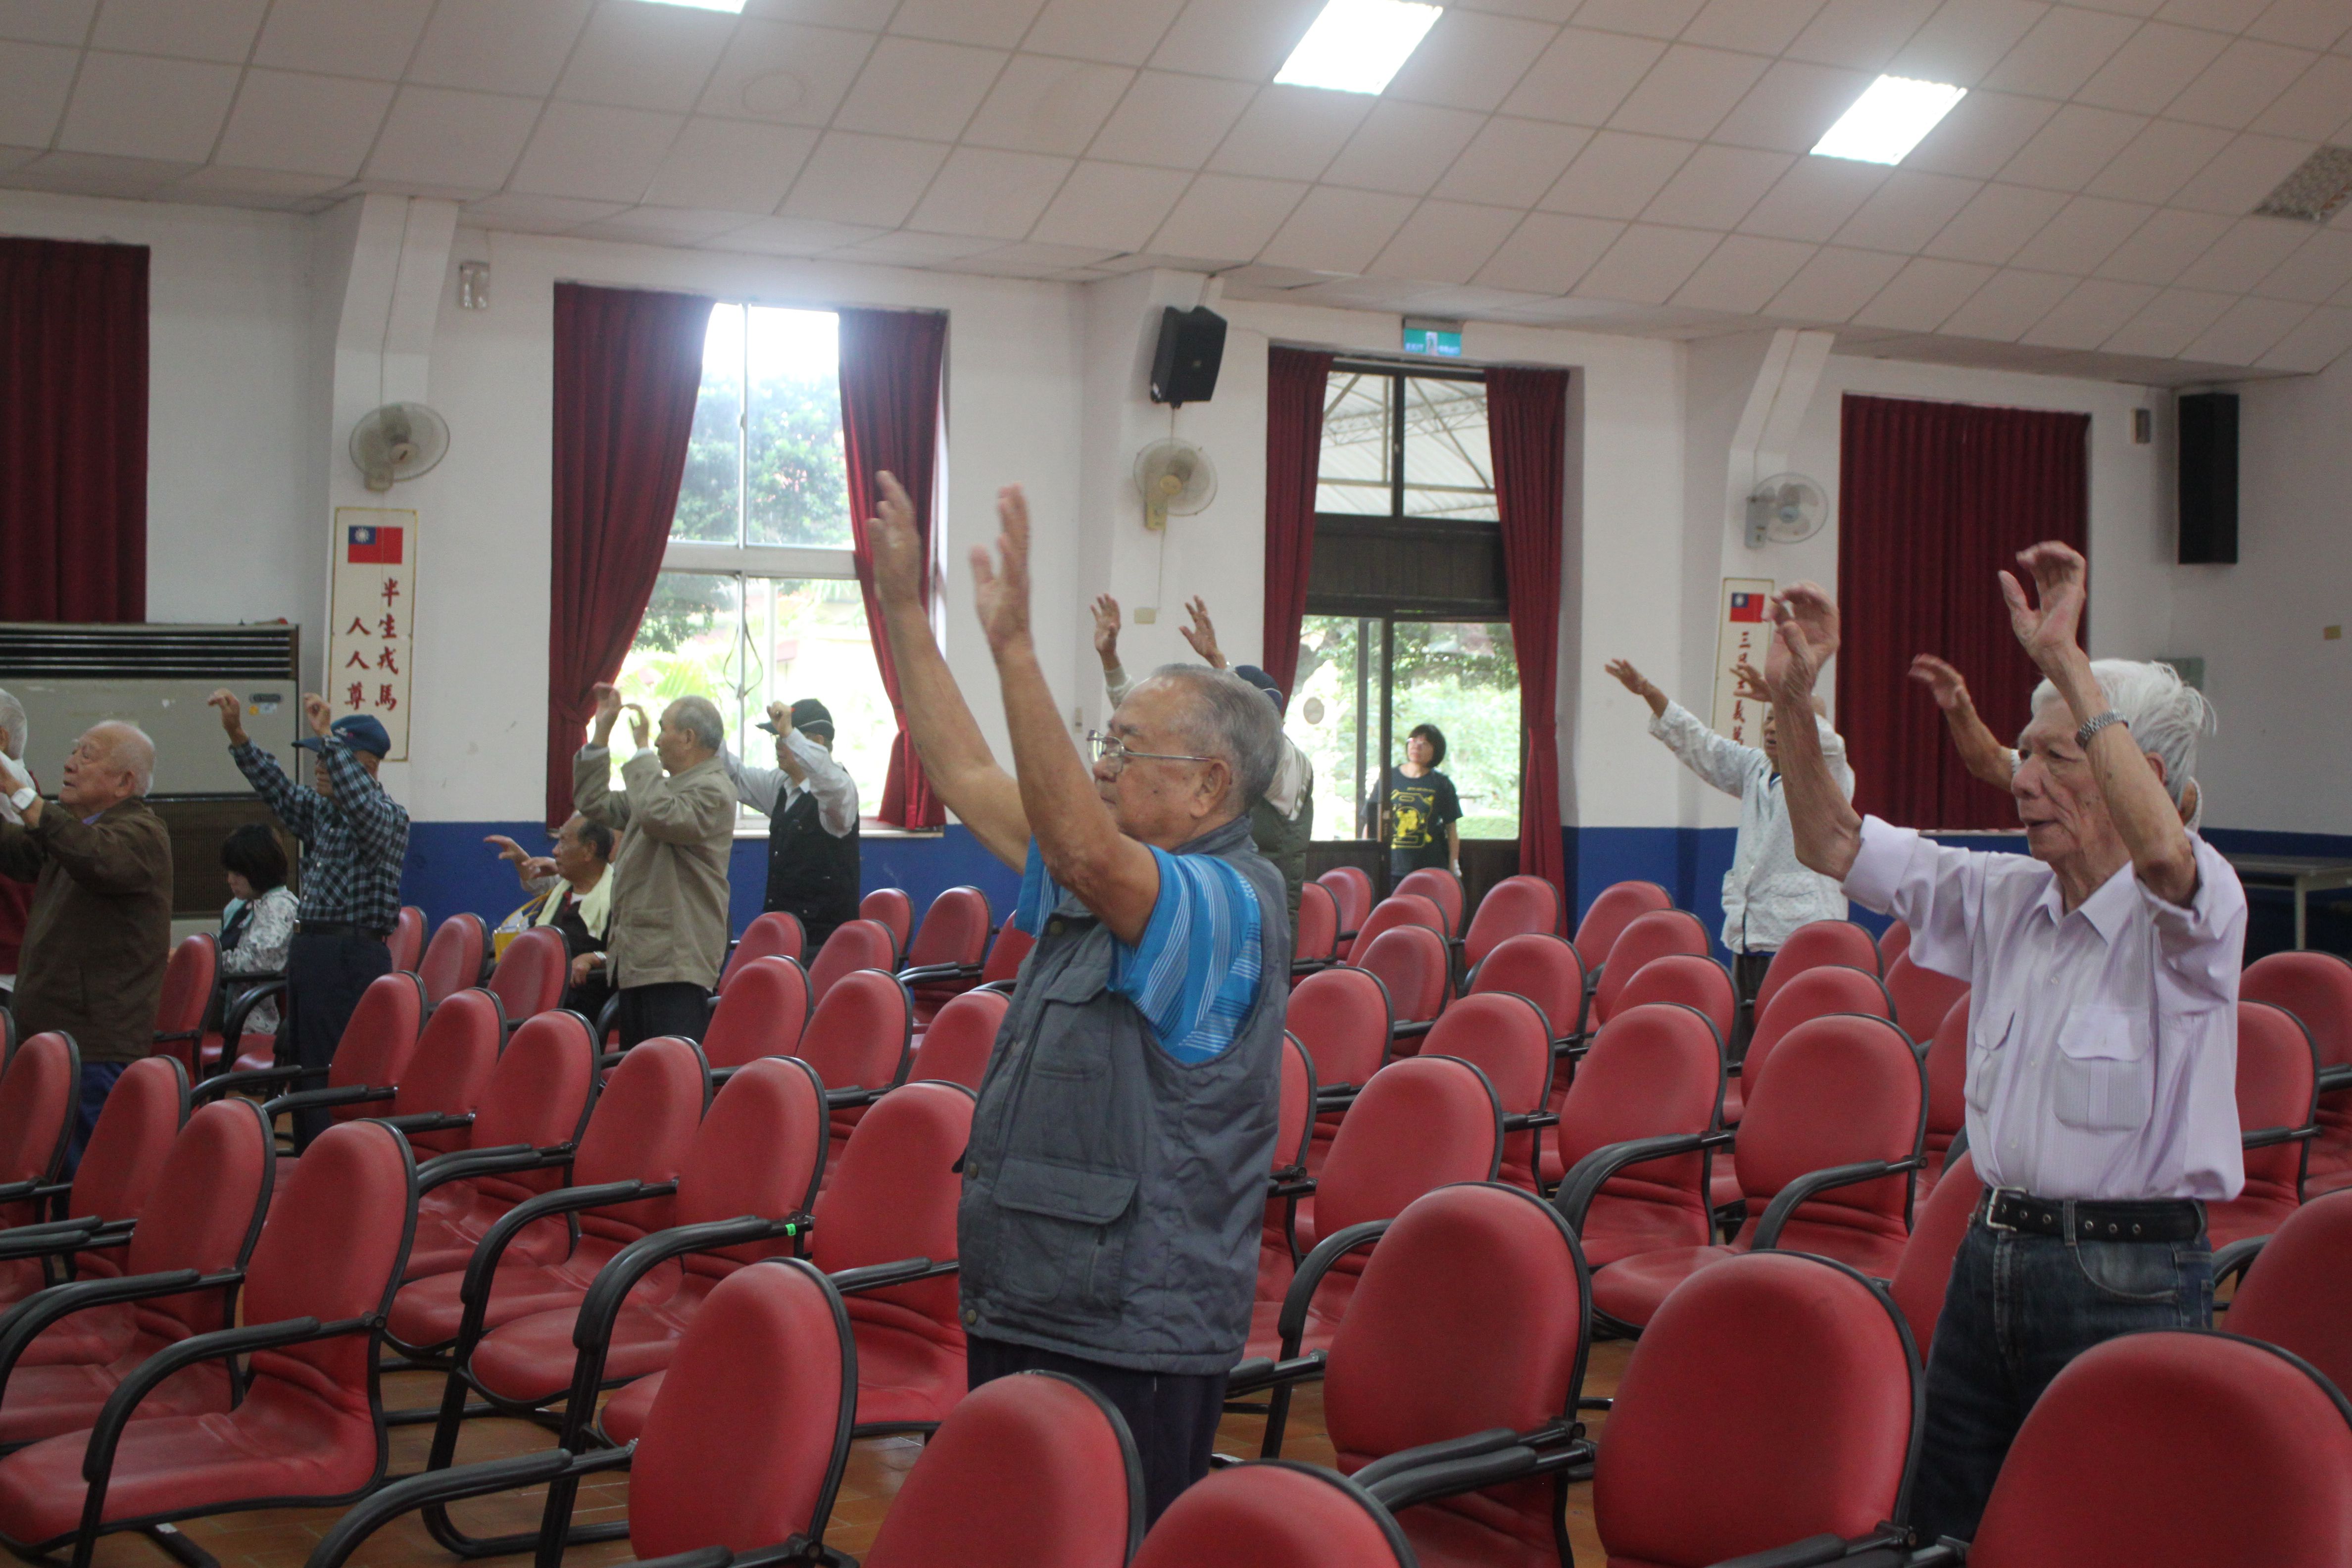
[
  {"x": 1115, "y": 1183},
  {"x": 667, "y": 935},
  {"x": 2102, "y": 1104},
  {"x": 100, "y": 929}
]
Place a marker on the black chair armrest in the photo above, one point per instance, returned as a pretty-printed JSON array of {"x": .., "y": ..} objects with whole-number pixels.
[
  {"x": 933, "y": 974},
  {"x": 1882, "y": 1548},
  {"x": 2335, "y": 1078},
  {"x": 25, "y": 1322},
  {"x": 1529, "y": 1119},
  {"x": 1260, "y": 1372},
  {"x": 430, "y": 1122},
  {"x": 2234, "y": 1260},
  {"x": 846, "y": 1099},
  {"x": 219, "y": 1084},
  {"x": 1581, "y": 1184},
  {"x": 1328, "y": 1251},
  {"x": 1412, "y": 1031},
  {"x": 1811, "y": 1184},
  {"x": 372, "y": 1513},
  {"x": 593, "y": 1327},
  {"x": 312, "y": 1098},
  {"x": 1297, "y": 1187},
  {"x": 1336, "y": 1096},
  {"x": 708, "y": 1557},
  {"x": 460, "y": 1163},
  {"x": 1300, "y": 967},
  {"x": 106, "y": 1432},
  {"x": 1805, "y": 1553},
  {"x": 61, "y": 1237},
  {"x": 2270, "y": 1137},
  {"x": 1444, "y": 1451},
  {"x": 880, "y": 1275},
  {"x": 1472, "y": 1462},
  {"x": 475, "y": 1289},
  {"x": 233, "y": 1020}
]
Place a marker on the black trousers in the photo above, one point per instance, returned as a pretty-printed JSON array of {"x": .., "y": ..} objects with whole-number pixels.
[
  {"x": 324, "y": 977},
  {"x": 1173, "y": 1418},
  {"x": 674, "y": 1007},
  {"x": 1747, "y": 978}
]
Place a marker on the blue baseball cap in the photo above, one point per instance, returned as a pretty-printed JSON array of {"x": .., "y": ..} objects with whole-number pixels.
[
  {"x": 360, "y": 731},
  {"x": 1264, "y": 682}
]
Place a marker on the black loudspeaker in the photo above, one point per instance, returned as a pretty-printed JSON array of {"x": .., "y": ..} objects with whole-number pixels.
[
  {"x": 1192, "y": 347},
  {"x": 2208, "y": 478}
]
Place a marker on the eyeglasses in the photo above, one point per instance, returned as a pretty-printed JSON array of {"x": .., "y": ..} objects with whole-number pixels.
[{"x": 1110, "y": 748}]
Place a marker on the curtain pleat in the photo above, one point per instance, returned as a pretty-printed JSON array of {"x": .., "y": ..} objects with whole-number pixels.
[
  {"x": 1527, "y": 424},
  {"x": 1297, "y": 383}
]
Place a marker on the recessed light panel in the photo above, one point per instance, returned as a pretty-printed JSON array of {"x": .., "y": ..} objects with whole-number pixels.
[
  {"x": 1356, "y": 46},
  {"x": 733, "y": 7},
  {"x": 1888, "y": 120}
]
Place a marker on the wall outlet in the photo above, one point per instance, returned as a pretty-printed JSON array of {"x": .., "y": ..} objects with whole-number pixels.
[
  {"x": 2331, "y": 633},
  {"x": 1146, "y": 616}
]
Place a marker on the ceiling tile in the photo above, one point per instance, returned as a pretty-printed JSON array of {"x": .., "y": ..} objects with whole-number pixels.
[
  {"x": 1124, "y": 34},
  {"x": 2247, "y": 331},
  {"x": 99, "y": 174},
  {"x": 1553, "y": 10},
  {"x": 904, "y": 249},
  {"x": 1617, "y": 174},
  {"x": 1743, "y": 274},
  {"x": 1226, "y": 217},
  {"x": 1446, "y": 242},
  {"x": 185, "y": 29},
  {"x": 441, "y": 137},
  {"x": 1290, "y": 132},
  {"x": 999, "y": 194},
  {"x": 498, "y": 45},
  {"x": 870, "y": 15},
  {"x": 303, "y": 124},
  {"x": 2065, "y": 51},
  {"x": 2159, "y": 249},
  {"x": 1758, "y": 26},
  {"x": 1965, "y": 39},
  {"x": 664, "y": 225},
  {"x": 2235, "y": 90},
  {"x": 1647, "y": 264},
  {"x": 1996, "y": 224},
  {"x": 1985, "y": 131},
  {"x": 1115, "y": 205},
  {"x": 1045, "y": 105},
  {"x": 2085, "y": 233},
  {"x": 2324, "y": 335},
  {"x": 2241, "y": 175},
  {"x": 34, "y": 81},
  {"x": 732, "y": 166},
  {"x": 914, "y": 87},
  {"x": 1790, "y": 108},
  {"x": 1583, "y": 76},
  {"x": 1834, "y": 283},
  {"x": 997, "y": 24},
  {"x": 1338, "y": 231},
  {"x": 2307, "y": 24},
  {"x": 1244, "y": 39},
  {"x": 1512, "y": 162},
  {"x": 1905, "y": 213},
  {"x": 2168, "y": 324},
  {"x": 2317, "y": 272},
  {"x": 538, "y": 214},
  {"x": 271, "y": 188},
  {"x": 2214, "y": 15},
  {"x": 343, "y": 37},
  {"x": 1717, "y": 186},
  {"x": 2316, "y": 107},
  {"x": 645, "y": 57},
  {"x": 63, "y": 22},
  {"x": 785, "y": 72},
  {"x": 863, "y": 179},
  {"x": 1655, "y": 18},
  {"x": 1031, "y": 260},
  {"x": 2067, "y": 153},
  {"x": 2090, "y": 315},
  {"x": 1405, "y": 147},
  {"x": 2010, "y": 302},
  {"x": 1814, "y": 199},
  {"x": 1547, "y": 253},
  {"x": 1688, "y": 91},
  {"x": 2158, "y": 161},
  {"x": 1471, "y": 60},
  {"x": 1918, "y": 298},
  {"x": 2251, "y": 249},
  {"x": 594, "y": 152},
  {"x": 130, "y": 106},
  {"x": 2151, "y": 68},
  {"x": 1863, "y": 34},
  {"x": 1174, "y": 121}
]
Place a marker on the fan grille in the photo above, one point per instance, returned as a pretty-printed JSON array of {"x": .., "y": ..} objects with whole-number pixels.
[{"x": 2316, "y": 191}]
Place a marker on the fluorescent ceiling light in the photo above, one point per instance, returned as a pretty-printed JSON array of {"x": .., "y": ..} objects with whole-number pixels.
[
  {"x": 733, "y": 6},
  {"x": 1356, "y": 46},
  {"x": 1888, "y": 120}
]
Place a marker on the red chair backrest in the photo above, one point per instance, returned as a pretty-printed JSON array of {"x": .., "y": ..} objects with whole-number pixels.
[
  {"x": 760, "y": 1012},
  {"x": 776, "y": 934},
  {"x": 1947, "y": 1082},
  {"x": 1512, "y": 907},
  {"x": 1542, "y": 968},
  {"x": 1419, "y": 1124},
  {"x": 1842, "y": 1090},
  {"x": 379, "y": 1040},
  {"x": 857, "y": 1037},
  {"x": 1507, "y": 1038},
  {"x": 204, "y": 1212},
  {"x": 539, "y": 1094},
  {"x": 894, "y": 1197},
  {"x": 891, "y": 908},
  {"x": 1770, "y": 1399},
  {"x": 1351, "y": 886},
  {"x": 2298, "y": 1294},
  {"x": 2174, "y": 1447},
  {"x": 143, "y": 1114},
  {"x": 747, "y": 1438},
  {"x": 1275, "y": 1513},
  {"x": 454, "y": 958},
  {"x": 1398, "y": 910},
  {"x": 854, "y": 945},
  {"x": 2316, "y": 987},
  {"x": 640, "y": 1130},
  {"x": 1926, "y": 1271},
  {"x": 759, "y": 1150},
  {"x": 1812, "y": 944},
  {"x": 1341, "y": 1017},
  {"x": 1691, "y": 979},
  {"x": 1893, "y": 943},
  {"x": 450, "y": 1068},
  {"x": 1817, "y": 992},
  {"x": 1653, "y": 1071},
  {"x": 188, "y": 987},
  {"x": 1921, "y": 996},
  {"x": 1005, "y": 954},
  {"x": 1412, "y": 962},
  {"x": 530, "y": 974},
  {"x": 407, "y": 938},
  {"x": 40, "y": 1096},
  {"x": 954, "y": 930},
  {"x": 1034, "y": 1470},
  {"x": 1295, "y": 1117},
  {"x": 1619, "y": 906},
  {"x": 2276, "y": 1073},
  {"x": 333, "y": 1248},
  {"x": 1654, "y": 935},
  {"x": 961, "y": 1038},
  {"x": 1317, "y": 938},
  {"x": 1440, "y": 886}
]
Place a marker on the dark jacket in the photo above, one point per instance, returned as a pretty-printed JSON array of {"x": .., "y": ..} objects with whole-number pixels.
[{"x": 100, "y": 929}]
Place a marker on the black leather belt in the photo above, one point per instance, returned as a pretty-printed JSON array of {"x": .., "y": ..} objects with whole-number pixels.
[
  {"x": 336, "y": 928},
  {"x": 2152, "y": 1220}
]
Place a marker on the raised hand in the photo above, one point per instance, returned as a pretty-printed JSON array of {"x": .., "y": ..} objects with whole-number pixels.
[
  {"x": 1634, "y": 681},
  {"x": 641, "y": 729},
  {"x": 1106, "y": 610},
  {"x": 1203, "y": 633},
  {"x": 1747, "y": 682},
  {"x": 2048, "y": 627},
  {"x": 315, "y": 710},
  {"x": 1951, "y": 689},
  {"x": 232, "y": 712},
  {"x": 508, "y": 850},
  {"x": 1804, "y": 638},
  {"x": 1002, "y": 586},
  {"x": 608, "y": 709},
  {"x": 897, "y": 548}
]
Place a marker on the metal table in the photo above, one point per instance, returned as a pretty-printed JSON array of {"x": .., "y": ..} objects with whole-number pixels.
[{"x": 2300, "y": 874}]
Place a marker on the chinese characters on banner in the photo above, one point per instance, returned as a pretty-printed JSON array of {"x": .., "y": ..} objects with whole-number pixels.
[
  {"x": 1741, "y": 633},
  {"x": 375, "y": 606}
]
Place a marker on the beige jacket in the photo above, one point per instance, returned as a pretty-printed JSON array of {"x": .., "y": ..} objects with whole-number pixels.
[{"x": 669, "y": 922}]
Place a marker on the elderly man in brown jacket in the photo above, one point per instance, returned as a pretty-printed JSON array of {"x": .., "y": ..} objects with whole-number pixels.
[
  {"x": 100, "y": 933},
  {"x": 667, "y": 935}
]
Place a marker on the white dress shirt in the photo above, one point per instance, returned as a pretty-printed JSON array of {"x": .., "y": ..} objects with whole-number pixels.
[
  {"x": 772, "y": 791},
  {"x": 2103, "y": 1045}
]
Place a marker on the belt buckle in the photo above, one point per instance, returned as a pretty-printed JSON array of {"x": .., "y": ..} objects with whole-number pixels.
[{"x": 1992, "y": 1209}]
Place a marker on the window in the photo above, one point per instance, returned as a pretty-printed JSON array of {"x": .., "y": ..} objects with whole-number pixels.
[{"x": 757, "y": 601}]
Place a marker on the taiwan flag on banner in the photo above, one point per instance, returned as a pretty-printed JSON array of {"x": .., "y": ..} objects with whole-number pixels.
[
  {"x": 1744, "y": 606},
  {"x": 382, "y": 547}
]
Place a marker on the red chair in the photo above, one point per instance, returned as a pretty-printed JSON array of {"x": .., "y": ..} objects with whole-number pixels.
[
  {"x": 1827, "y": 1153},
  {"x": 891, "y": 908},
  {"x": 1773, "y": 1399},
  {"x": 776, "y": 934},
  {"x": 945, "y": 958},
  {"x": 1035, "y": 1470},
  {"x": 1635, "y": 1132},
  {"x": 1507, "y": 1038},
  {"x": 1925, "y": 1272},
  {"x": 1351, "y": 887},
  {"x": 40, "y": 1096},
  {"x": 1275, "y": 1513},
  {"x": 956, "y": 1047},
  {"x": 1316, "y": 945},
  {"x": 456, "y": 958},
  {"x": 1619, "y": 906},
  {"x": 2277, "y": 1085},
  {"x": 1515, "y": 906},
  {"x": 65, "y": 1350},
  {"x": 1893, "y": 943},
  {"x": 1921, "y": 996},
  {"x": 2316, "y": 987},
  {"x": 858, "y": 1040},
  {"x": 407, "y": 939},
  {"x": 1277, "y": 1257},
  {"x": 2296, "y": 1292},
  {"x": 446, "y": 1077},
  {"x": 1412, "y": 963},
  {"x": 190, "y": 979},
  {"x": 1398, "y": 910},
  {"x": 530, "y": 977},
  {"x": 1004, "y": 956},
  {"x": 1947, "y": 1099},
  {"x": 310, "y": 1431},
  {"x": 1690, "y": 980},
  {"x": 854, "y": 945},
  {"x": 126, "y": 1148},
  {"x": 1817, "y": 992},
  {"x": 370, "y": 1059},
  {"x": 2174, "y": 1446},
  {"x": 1655, "y": 935},
  {"x": 1440, "y": 886},
  {"x": 1545, "y": 970},
  {"x": 1812, "y": 945},
  {"x": 760, "y": 1012},
  {"x": 1340, "y": 1018}
]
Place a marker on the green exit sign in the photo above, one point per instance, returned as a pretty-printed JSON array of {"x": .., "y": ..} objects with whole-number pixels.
[{"x": 1439, "y": 339}]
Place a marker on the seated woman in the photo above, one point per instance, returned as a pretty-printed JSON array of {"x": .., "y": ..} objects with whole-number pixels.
[
  {"x": 257, "y": 926},
  {"x": 573, "y": 894}
]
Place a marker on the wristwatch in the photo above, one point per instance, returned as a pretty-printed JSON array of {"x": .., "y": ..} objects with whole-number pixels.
[
  {"x": 2083, "y": 736},
  {"x": 24, "y": 797}
]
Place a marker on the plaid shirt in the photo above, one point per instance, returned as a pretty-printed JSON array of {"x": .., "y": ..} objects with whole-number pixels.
[{"x": 352, "y": 843}]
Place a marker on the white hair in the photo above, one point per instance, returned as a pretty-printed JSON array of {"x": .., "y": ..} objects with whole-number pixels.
[
  {"x": 698, "y": 717},
  {"x": 12, "y": 719},
  {"x": 2166, "y": 713},
  {"x": 1233, "y": 722}
]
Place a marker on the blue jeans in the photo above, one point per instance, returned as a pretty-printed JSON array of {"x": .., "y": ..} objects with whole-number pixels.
[
  {"x": 97, "y": 1083},
  {"x": 2019, "y": 1309}
]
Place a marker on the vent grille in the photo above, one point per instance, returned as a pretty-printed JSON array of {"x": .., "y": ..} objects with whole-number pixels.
[
  {"x": 36, "y": 650},
  {"x": 2316, "y": 190}
]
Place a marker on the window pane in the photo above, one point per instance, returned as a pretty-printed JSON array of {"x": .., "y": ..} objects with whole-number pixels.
[
  {"x": 1449, "y": 470},
  {"x": 1354, "y": 472},
  {"x": 707, "y": 500},
  {"x": 1463, "y": 677},
  {"x": 690, "y": 634},
  {"x": 795, "y": 485},
  {"x": 809, "y": 639},
  {"x": 1326, "y": 721}
]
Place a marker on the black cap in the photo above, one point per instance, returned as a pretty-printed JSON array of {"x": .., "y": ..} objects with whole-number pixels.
[
  {"x": 808, "y": 715},
  {"x": 360, "y": 731},
  {"x": 1264, "y": 682}
]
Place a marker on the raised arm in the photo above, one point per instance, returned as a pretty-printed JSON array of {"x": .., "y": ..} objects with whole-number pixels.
[
  {"x": 296, "y": 807},
  {"x": 1115, "y": 685},
  {"x": 591, "y": 767},
  {"x": 955, "y": 755},
  {"x": 1827, "y": 831},
  {"x": 1981, "y": 750}
]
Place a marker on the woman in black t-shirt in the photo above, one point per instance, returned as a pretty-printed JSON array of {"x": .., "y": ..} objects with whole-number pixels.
[{"x": 1422, "y": 807}]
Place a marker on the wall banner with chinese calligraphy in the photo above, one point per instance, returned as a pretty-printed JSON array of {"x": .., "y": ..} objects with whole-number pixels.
[
  {"x": 1742, "y": 631},
  {"x": 375, "y": 606}
]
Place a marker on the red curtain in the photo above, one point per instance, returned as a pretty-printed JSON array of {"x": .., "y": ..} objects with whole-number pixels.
[
  {"x": 1527, "y": 424},
  {"x": 1934, "y": 498},
  {"x": 628, "y": 365},
  {"x": 73, "y": 431},
  {"x": 891, "y": 367},
  {"x": 1296, "y": 382}
]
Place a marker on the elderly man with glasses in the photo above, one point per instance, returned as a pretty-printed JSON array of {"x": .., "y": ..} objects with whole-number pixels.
[{"x": 1115, "y": 1183}]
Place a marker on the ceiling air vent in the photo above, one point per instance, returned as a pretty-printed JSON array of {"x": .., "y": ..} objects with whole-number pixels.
[{"x": 2318, "y": 187}]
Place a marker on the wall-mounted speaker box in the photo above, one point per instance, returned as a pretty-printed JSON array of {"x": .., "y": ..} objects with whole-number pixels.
[
  {"x": 1192, "y": 347},
  {"x": 2208, "y": 478}
]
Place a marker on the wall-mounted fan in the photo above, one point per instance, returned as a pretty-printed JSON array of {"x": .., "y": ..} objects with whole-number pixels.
[
  {"x": 1174, "y": 477},
  {"x": 398, "y": 441},
  {"x": 1786, "y": 509}
]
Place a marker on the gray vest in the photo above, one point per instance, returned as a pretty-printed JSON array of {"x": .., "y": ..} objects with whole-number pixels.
[{"x": 1113, "y": 1195}]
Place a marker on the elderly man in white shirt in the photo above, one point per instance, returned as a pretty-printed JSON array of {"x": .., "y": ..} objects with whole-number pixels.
[
  {"x": 2102, "y": 1106},
  {"x": 811, "y": 805}
]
